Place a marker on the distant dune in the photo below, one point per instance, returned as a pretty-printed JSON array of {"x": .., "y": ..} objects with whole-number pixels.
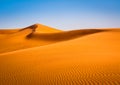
[{"x": 41, "y": 55}]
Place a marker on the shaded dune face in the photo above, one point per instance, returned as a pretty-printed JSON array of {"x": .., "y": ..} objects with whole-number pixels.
[
  {"x": 34, "y": 36},
  {"x": 78, "y": 57},
  {"x": 62, "y": 36}
]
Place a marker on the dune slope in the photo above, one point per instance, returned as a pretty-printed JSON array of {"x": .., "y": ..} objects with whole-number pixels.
[{"x": 88, "y": 60}]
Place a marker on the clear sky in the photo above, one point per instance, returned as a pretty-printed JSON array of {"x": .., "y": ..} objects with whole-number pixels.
[{"x": 61, "y": 14}]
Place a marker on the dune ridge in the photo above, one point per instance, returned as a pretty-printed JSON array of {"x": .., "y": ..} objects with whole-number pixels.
[
  {"x": 78, "y": 57},
  {"x": 38, "y": 35}
]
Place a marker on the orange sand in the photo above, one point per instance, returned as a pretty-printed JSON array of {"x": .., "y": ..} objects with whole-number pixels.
[{"x": 40, "y": 55}]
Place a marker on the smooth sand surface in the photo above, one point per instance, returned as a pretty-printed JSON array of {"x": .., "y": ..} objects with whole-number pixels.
[{"x": 79, "y": 57}]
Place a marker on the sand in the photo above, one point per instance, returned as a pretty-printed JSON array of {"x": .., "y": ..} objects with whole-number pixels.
[{"x": 41, "y": 55}]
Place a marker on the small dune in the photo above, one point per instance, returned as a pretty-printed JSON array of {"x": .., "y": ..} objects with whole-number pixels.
[{"x": 41, "y": 55}]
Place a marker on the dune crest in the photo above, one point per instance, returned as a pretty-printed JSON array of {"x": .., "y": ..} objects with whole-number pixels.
[{"x": 41, "y": 28}]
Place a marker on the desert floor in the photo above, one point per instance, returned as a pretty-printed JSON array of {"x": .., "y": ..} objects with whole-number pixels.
[{"x": 41, "y": 55}]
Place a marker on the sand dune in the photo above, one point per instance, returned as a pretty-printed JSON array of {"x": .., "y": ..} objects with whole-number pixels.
[
  {"x": 21, "y": 38},
  {"x": 37, "y": 35},
  {"x": 79, "y": 57}
]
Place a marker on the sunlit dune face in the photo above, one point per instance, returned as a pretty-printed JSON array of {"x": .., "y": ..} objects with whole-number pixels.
[{"x": 41, "y": 55}]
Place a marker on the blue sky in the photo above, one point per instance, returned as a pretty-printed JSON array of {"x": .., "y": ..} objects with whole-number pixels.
[{"x": 61, "y": 14}]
